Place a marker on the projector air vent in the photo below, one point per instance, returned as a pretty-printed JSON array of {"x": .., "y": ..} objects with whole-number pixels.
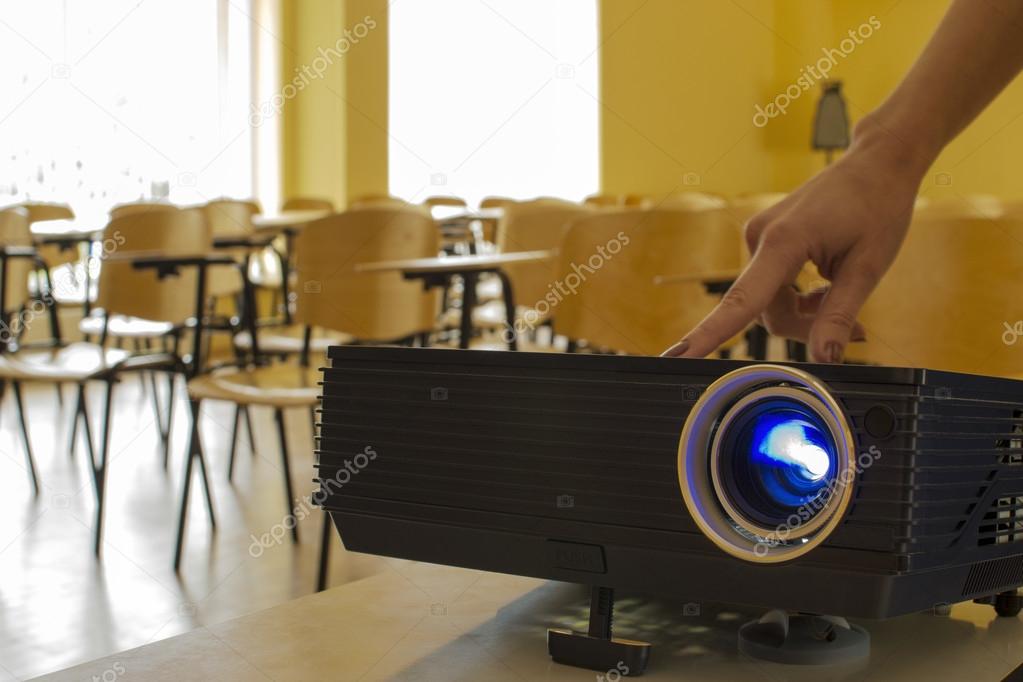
[
  {"x": 989, "y": 576},
  {"x": 1014, "y": 446},
  {"x": 1003, "y": 524}
]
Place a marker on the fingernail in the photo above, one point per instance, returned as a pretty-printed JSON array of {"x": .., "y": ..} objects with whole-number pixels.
[{"x": 676, "y": 350}]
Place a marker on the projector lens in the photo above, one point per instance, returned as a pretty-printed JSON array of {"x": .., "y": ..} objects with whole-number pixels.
[
  {"x": 766, "y": 463},
  {"x": 777, "y": 460}
]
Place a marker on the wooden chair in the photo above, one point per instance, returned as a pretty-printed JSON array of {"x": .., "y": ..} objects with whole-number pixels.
[
  {"x": 610, "y": 262},
  {"x": 370, "y": 200},
  {"x": 950, "y": 300},
  {"x": 605, "y": 200},
  {"x": 497, "y": 202},
  {"x": 307, "y": 204},
  {"x": 444, "y": 201},
  {"x": 123, "y": 291},
  {"x": 141, "y": 207},
  {"x": 378, "y": 307},
  {"x": 535, "y": 226},
  {"x": 685, "y": 201}
]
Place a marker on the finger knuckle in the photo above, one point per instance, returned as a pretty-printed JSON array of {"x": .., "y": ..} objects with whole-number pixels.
[
  {"x": 839, "y": 318},
  {"x": 736, "y": 298}
]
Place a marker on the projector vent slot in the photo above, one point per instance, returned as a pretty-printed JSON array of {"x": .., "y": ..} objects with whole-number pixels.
[
  {"x": 1014, "y": 445},
  {"x": 989, "y": 576},
  {"x": 1003, "y": 524}
]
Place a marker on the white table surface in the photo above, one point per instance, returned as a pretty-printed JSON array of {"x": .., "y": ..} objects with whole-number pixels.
[{"x": 423, "y": 622}]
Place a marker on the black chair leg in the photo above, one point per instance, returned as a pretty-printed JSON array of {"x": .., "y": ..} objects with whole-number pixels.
[
  {"x": 165, "y": 428},
  {"x": 30, "y": 461},
  {"x": 99, "y": 470},
  {"x": 60, "y": 394},
  {"x": 194, "y": 452},
  {"x": 234, "y": 441},
  {"x": 324, "y": 568},
  {"x": 288, "y": 491},
  {"x": 248, "y": 428}
]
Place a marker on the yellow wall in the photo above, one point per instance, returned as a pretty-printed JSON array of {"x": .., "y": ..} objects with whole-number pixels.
[
  {"x": 679, "y": 83},
  {"x": 335, "y": 127}
]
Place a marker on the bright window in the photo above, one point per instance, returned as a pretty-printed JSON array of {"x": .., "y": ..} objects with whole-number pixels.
[
  {"x": 494, "y": 97},
  {"x": 120, "y": 100}
]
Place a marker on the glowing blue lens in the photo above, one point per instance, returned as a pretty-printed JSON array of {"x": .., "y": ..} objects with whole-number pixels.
[{"x": 778, "y": 459}]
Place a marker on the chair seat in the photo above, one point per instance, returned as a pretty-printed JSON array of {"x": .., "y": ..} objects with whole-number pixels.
[
  {"x": 75, "y": 362},
  {"x": 127, "y": 327},
  {"x": 274, "y": 386},
  {"x": 288, "y": 341}
]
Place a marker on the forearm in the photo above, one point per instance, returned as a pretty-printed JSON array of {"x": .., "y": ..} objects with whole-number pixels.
[{"x": 976, "y": 51}]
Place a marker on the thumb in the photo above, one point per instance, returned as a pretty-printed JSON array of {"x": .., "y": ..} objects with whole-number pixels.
[{"x": 836, "y": 318}]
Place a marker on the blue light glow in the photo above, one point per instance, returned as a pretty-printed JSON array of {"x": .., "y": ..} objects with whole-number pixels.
[{"x": 792, "y": 457}]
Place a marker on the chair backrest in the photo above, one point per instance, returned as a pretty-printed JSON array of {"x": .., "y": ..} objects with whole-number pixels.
[
  {"x": 951, "y": 298},
  {"x": 230, "y": 217},
  {"x": 307, "y": 204},
  {"x": 40, "y": 211},
  {"x": 609, "y": 262},
  {"x": 140, "y": 207},
  {"x": 536, "y": 226},
  {"x": 963, "y": 205},
  {"x": 370, "y": 306},
  {"x": 686, "y": 201},
  {"x": 496, "y": 202},
  {"x": 605, "y": 200},
  {"x": 14, "y": 231},
  {"x": 368, "y": 200},
  {"x": 444, "y": 201},
  {"x": 123, "y": 290}
]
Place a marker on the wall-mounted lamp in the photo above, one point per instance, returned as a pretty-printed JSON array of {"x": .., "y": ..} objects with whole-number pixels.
[{"x": 831, "y": 124}]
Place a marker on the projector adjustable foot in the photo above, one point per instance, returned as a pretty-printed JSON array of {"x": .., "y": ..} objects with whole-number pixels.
[
  {"x": 1007, "y": 604},
  {"x": 597, "y": 649},
  {"x": 803, "y": 639}
]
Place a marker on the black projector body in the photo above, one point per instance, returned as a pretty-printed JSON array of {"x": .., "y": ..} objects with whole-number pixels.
[{"x": 569, "y": 467}]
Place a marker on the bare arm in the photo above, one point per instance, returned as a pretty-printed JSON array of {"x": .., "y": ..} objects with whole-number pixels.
[{"x": 851, "y": 218}]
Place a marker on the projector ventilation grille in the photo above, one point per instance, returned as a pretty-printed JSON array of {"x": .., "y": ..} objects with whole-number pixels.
[
  {"x": 989, "y": 576},
  {"x": 1003, "y": 524},
  {"x": 1014, "y": 456}
]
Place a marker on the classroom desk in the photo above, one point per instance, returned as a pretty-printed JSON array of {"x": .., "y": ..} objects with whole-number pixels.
[{"x": 437, "y": 272}]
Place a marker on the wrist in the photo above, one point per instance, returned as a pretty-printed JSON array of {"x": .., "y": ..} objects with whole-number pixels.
[{"x": 908, "y": 150}]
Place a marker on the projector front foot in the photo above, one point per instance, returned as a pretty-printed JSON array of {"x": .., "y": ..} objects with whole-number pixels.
[
  {"x": 1007, "y": 604},
  {"x": 803, "y": 639},
  {"x": 597, "y": 649}
]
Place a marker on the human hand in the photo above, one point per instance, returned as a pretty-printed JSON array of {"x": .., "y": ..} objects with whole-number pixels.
[{"x": 849, "y": 220}]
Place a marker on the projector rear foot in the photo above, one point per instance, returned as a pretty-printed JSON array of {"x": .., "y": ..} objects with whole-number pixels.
[
  {"x": 597, "y": 649},
  {"x": 803, "y": 639}
]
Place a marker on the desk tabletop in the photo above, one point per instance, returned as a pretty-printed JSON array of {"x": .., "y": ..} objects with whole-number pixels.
[
  {"x": 77, "y": 228},
  {"x": 424, "y": 622},
  {"x": 452, "y": 214},
  {"x": 455, "y": 264},
  {"x": 288, "y": 219}
]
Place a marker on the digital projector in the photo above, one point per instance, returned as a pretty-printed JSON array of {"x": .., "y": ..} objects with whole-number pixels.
[{"x": 849, "y": 490}]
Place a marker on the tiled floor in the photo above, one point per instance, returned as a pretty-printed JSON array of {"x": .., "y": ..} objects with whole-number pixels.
[{"x": 59, "y": 606}]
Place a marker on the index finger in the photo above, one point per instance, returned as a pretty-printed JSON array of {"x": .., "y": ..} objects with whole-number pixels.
[{"x": 768, "y": 271}]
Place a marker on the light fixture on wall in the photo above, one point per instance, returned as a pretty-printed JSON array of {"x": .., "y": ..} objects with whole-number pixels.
[{"x": 831, "y": 124}]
